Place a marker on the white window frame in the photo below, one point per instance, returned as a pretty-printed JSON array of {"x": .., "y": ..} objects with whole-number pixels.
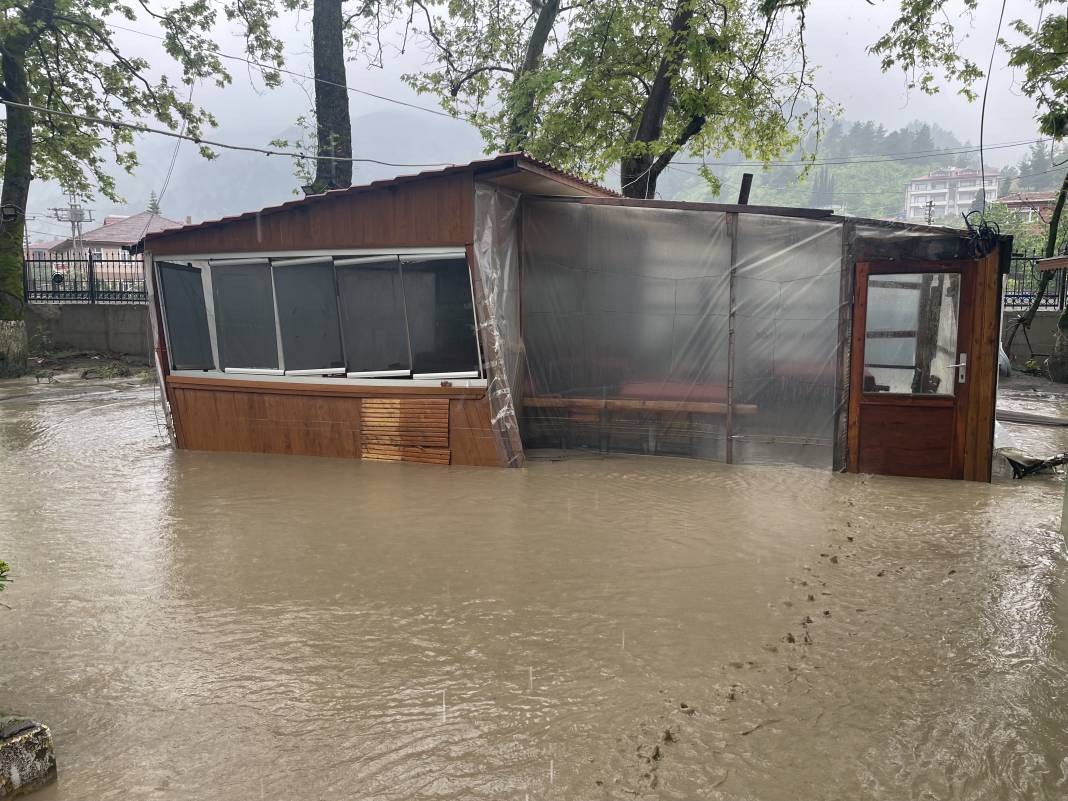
[{"x": 331, "y": 376}]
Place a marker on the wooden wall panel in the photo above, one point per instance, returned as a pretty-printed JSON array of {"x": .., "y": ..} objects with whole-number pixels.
[
  {"x": 471, "y": 436},
  {"x": 436, "y": 211},
  {"x": 906, "y": 441},
  {"x": 434, "y": 425},
  {"x": 251, "y": 422},
  {"x": 983, "y": 371}
]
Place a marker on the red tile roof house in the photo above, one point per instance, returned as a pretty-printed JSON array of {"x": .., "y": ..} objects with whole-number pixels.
[
  {"x": 1030, "y": 206},
  {"x": 109, "y": 244}
]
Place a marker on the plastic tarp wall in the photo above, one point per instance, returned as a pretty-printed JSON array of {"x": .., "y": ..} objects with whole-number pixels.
[
  {"x": 496, "y": 246},
  {"x": 786, "y": 338},
  {"x": 627, "y": 323},
  {"x": 625, "y": 304}
]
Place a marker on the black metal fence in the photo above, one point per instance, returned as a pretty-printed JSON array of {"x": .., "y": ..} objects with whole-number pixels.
[
  {"x": 1021, "y": 284},
  {"x": 89, "y": 279}
]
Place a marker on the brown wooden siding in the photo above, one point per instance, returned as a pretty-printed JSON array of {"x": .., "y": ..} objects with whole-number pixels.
[
  {"x": 435, "y": 425},
  {"x": 434, "y": 212},
  {"x": 983, "y": 371}
]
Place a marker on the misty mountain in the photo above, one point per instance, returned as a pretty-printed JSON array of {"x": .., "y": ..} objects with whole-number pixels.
[{"x": 236, "y": 182}]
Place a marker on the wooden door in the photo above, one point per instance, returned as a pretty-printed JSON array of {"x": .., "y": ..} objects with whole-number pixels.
[{"x": 910, "y": 386}]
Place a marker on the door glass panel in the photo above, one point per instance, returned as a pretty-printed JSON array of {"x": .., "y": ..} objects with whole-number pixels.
[{"x": 910, "y": 345}]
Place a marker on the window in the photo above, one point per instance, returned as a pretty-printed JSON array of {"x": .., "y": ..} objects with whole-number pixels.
[
  {"x": 245, "y": 316},
  {"x": 910, "y": 342},
  {"x": 373, "y": 319},
  {"x": 441, "y": 320},
  {"x": 381, "y": 316},
  {"x": 182, "y": 291},
  {"x": 307, "y": 316}
]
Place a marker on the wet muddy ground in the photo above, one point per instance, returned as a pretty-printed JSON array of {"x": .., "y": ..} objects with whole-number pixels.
[{"x": 199, "y": 626}]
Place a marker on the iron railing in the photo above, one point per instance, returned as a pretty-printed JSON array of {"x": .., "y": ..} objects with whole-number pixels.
[
  {"x": 89, "y": 279},
  {"x": 58, "y": 279},
  {"x": 1021, "y": 284}
]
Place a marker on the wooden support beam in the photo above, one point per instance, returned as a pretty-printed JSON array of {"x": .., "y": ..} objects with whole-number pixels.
[{"x": 1054, "y": 263}]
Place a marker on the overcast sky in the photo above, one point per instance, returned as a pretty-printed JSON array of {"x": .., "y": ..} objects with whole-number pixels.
[{"x": 838, "y": 33}]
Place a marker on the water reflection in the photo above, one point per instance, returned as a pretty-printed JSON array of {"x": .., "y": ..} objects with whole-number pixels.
[{"x": 230, "y": 626}]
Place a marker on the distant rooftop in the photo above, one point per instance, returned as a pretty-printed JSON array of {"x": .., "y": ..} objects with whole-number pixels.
[
  {"x": 128, "y": 230},
  {"x": 1024, "y": 198},
  {"x": 956, "y": 173},
  {"x": 45, "y": 244}
]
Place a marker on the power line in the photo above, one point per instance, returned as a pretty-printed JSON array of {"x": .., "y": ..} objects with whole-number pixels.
[
  {"x": 876, "y": 158},
  {"x": 294, "y": 74},
  {"x": 201, "y": 141},
  {"x": 982, "y": 112}
]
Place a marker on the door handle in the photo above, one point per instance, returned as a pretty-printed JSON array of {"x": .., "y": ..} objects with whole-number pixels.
[{"x": 962, "y": 368}]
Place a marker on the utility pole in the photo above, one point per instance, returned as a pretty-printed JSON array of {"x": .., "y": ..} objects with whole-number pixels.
[{"x": 75, "y": 215}]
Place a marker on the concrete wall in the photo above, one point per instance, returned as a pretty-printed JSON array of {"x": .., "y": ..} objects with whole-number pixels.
[
  {"x": 110, "y": 328},
  {"x": 1041, "y": 333}
]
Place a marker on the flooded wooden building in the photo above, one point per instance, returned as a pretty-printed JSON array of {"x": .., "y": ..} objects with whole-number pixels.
[{"x": 469, "y": 314}]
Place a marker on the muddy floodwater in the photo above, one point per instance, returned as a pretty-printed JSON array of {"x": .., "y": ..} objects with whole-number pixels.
[{"x": 211, "y": 626}]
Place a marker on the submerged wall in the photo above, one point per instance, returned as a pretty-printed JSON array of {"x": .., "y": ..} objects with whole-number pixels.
[{"x": 111, "y": 328}]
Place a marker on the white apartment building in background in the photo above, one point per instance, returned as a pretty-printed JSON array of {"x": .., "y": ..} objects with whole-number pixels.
[{"x": 951, "y": 192}]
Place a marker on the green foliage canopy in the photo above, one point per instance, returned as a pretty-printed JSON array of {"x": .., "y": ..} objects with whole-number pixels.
[{"x": 624, "y": 82}]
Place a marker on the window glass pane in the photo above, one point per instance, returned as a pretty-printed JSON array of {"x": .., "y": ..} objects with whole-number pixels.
[
  {"x": 441, "y": 323},
  {"x": 910, "y": 345},
  {"x": 372, "y": 315},
  {"x": 186, "y": 315},
  {"x": 244, "y": 316},
  {"x": 307, "y": 314}
]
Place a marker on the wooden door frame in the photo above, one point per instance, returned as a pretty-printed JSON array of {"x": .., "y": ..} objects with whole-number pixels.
[{"x": 966, "y": 324}]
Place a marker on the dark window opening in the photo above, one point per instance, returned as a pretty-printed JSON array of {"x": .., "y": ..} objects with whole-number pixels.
[
  {"x": 308, "y": 316},
  {"x": 182, "y": 296},
  {"x": 244, "y": 316},
  {"x": 441, "y": 321}
]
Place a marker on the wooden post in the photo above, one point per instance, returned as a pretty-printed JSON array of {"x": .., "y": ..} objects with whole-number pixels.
[
  {"x": 732, "y": 231},
  {"x": 743, "y": 192}
]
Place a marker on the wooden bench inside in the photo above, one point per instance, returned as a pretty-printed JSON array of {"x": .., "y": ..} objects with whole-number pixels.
[{"x": 653, "y": 422}]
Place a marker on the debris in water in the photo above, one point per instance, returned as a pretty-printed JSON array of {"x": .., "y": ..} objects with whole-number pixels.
[
  {"x": 790, "y": 638},
  {"x": 834, "y": 560},
  {"x": 760, "y": 726},
  {"x": 807, "y": 619},
  {"x": 687, "y": 709},
  {"x": 849, "y": 538},
  {"x": 951, "y": 572},
  {"x": 881, "y": 573},
  {"x": 826, "y": 612},
  {"x": 811, "y": 597},
  {"x": 669, "y": 736}
]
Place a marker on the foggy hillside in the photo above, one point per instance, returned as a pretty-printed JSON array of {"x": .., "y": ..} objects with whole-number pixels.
[{"x": 236, "y": 182}]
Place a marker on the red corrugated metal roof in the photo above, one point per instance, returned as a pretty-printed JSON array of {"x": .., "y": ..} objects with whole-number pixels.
[{"x": 481, "y": 165}]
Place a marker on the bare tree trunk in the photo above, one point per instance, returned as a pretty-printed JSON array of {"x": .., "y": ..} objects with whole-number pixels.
[
  {"x": 523, "y": 96},
  {"x": 1028, "y": 316},
  {"x": 18, "y": 163},
  {"x": 333, "y": 127},
  {"x": 1058, "y": 361}
]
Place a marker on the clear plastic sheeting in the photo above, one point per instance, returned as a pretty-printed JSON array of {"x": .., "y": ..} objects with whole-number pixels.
[
  {"x": 787, "y": 277},
  {"x": 627, "y": 321},
  {"x": 626, "y": 315},
  {"x": 496, "y": 246}
]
